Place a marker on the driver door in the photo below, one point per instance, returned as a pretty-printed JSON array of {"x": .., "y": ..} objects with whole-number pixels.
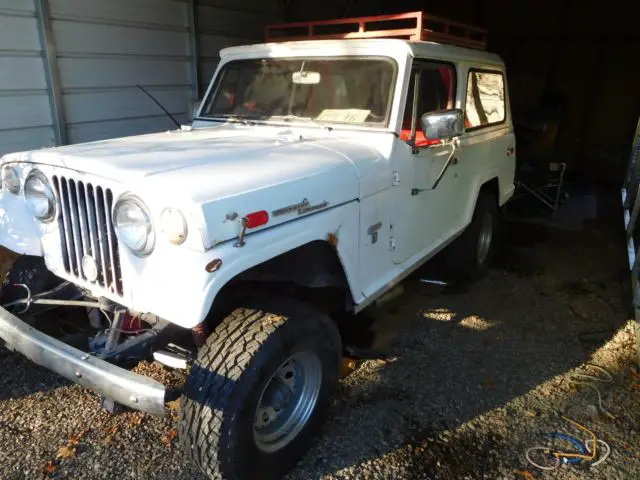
[{"x": 429, "y": 212}]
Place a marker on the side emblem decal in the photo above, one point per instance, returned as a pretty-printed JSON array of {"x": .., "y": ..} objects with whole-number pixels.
[{"x": 301, "y": 208}]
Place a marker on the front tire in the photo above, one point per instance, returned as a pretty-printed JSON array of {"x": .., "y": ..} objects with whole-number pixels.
[{"x": 258, "y": 392}]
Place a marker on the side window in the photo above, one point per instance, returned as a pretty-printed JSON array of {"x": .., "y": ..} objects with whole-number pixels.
[
  {"x": 436, "y": 92},
  {"x": 228, "y": 88},
  {"x": 485, "y": 103}
]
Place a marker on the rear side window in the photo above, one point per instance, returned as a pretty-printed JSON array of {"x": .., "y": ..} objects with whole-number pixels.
[{"x": 485, "y": 103}]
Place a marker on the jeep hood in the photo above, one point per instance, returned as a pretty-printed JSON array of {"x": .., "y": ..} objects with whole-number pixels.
[
  {"x": 132, "y": 159},
  {"x": 224, "y": 172}
]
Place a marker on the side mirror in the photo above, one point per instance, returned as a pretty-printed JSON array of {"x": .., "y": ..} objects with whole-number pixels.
[{"x": 443, "y": 125}]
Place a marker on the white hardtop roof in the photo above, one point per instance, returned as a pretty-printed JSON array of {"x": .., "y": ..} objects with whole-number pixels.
[{"x": 382, "y": 47}]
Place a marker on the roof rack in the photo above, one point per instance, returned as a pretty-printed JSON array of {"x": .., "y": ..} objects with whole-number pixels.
[{"x": 409, "y": 26}]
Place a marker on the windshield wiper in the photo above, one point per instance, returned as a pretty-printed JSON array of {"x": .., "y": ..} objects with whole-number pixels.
[
  {"x": 244, "y": 120},
  {"x": 292, "y": 118}
]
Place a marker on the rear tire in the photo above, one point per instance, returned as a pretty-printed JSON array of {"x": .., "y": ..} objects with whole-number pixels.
[
  {"x": 469, "y": 256},
  {"x": 257, "y": 394}
]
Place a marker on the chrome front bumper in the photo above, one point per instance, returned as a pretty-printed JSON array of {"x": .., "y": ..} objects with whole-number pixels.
[{"x": 127, "y": 388}]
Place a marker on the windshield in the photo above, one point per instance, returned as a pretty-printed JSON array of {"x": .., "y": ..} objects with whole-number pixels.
[{"x": 339, "y": 90}]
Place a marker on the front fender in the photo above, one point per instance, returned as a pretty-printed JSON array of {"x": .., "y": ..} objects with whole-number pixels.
[{"x": 343, "y": 221}]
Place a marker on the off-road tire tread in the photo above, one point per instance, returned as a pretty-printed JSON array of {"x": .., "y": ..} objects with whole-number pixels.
[{"x": 224, "y": 358}]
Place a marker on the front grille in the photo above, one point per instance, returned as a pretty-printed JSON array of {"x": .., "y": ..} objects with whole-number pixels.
[{"x": 86, "y": 229}]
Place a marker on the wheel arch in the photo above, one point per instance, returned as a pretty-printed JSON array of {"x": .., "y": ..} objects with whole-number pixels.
[
  {"x": 491, "y": 186},
  {"x": 323, "y": 253},
  {"x": 490, "y": 182}
]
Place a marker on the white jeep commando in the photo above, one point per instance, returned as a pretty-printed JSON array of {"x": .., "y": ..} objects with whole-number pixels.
[{"x": 316, "y": 176}]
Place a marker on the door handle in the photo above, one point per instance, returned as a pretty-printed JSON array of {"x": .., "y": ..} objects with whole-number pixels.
[{"x": 511, "y": 151}]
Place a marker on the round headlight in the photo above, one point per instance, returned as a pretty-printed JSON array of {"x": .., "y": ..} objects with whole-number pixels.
[
  {"x": 173, "y": 225},
  {"x": 39, "y": 196},
  {"x": 133, "y": 225},
  {"x": 11, "y": 180}
]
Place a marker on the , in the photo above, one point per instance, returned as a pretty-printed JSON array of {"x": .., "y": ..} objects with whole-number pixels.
[{"x": 318, "y": 163}]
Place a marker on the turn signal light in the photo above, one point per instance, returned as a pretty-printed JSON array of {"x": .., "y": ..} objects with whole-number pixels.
[{"x": 257, "y": 219}]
